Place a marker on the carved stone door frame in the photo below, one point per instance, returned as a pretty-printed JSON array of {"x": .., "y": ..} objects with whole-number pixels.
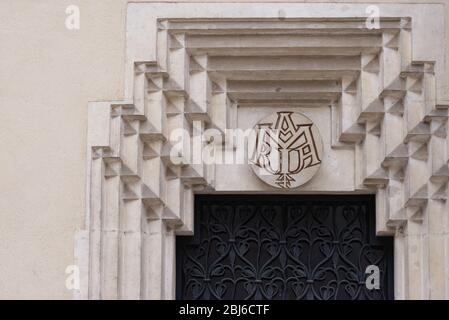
[{"x": 389, "y": 115}]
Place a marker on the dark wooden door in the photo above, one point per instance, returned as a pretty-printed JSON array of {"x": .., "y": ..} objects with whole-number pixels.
[{"x": 284, "y": 247}]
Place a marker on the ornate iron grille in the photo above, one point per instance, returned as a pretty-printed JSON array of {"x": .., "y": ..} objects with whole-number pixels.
[{"x": 283, "y": 247}]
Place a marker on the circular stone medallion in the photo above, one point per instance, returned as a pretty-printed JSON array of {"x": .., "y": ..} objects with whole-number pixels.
[{"x": 285, "y": 149}]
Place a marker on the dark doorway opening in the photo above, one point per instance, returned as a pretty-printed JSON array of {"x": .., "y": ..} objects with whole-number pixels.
[{"x": 284, "y": 247}]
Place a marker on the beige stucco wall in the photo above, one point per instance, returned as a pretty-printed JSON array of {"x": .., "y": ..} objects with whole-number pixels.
[{"x": 47, "y": 76}]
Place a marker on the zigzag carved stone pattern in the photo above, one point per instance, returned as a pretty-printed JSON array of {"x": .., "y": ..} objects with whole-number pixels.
[{"x": 382, "y": 102}]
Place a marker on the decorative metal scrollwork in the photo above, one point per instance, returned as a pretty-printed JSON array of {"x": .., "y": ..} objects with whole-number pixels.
[{"x": 283, "y": 247}]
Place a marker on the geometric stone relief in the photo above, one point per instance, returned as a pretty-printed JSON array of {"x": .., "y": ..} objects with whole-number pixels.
[{"x": 384, "y": 106}]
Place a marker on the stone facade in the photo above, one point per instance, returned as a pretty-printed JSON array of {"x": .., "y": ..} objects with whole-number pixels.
[
  {"x": 92, "y": 185},
  {"x": 378, "y": 96}
]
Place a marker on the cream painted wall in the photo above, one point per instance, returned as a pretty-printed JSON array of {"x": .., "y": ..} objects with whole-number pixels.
[{"x": 47, "y": 76}]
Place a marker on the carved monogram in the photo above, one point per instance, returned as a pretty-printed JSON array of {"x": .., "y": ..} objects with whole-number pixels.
[{"x": 286, "y": 145}]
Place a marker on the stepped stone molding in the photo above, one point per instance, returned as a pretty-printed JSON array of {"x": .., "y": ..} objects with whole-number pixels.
[{"x": 381, "y": 91}]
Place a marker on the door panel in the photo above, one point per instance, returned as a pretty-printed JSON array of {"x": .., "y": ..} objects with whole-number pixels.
[{"x": 283, "y": 247}]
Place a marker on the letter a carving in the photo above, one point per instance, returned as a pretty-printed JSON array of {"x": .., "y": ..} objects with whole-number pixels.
[{"x": 285, "y": 148}]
